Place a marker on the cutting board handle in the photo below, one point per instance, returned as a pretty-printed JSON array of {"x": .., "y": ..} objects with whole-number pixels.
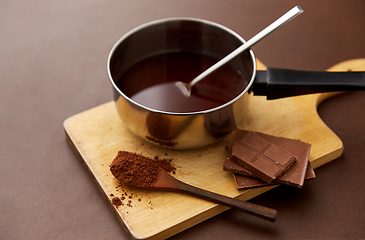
[{"x": 279, "y": 83}]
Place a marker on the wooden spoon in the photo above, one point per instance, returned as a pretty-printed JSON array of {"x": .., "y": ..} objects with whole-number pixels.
[{"x": 165, "y": 182}]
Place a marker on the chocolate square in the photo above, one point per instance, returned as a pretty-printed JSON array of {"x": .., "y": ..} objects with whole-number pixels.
[
  {"x": 294, "y": 176},
  {"x": 262, "y": 158}
]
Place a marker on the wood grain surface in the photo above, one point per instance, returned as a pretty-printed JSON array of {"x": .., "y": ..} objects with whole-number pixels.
[{"x": 98, "y": 134}]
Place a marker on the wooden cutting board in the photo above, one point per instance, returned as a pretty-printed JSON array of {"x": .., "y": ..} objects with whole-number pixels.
[{"x": 98, "y": 134}]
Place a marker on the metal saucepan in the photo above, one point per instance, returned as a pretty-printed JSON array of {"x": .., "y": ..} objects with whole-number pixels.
[{"x": 195, "y": 129}]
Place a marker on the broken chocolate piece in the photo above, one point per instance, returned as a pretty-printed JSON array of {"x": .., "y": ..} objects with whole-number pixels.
[
  {"x": 244, "y": 182},
  {"x": 262, "y": 158},
  {"x": 295, "y": 176}
]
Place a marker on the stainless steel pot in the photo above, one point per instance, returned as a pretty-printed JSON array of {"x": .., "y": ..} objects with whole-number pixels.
[
  {"x": 179, "y": 130},
  {"x": 199, "y": 129}
]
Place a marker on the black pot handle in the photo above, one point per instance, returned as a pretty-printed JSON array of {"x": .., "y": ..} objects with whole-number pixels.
[{"x": 279, "y": 83}]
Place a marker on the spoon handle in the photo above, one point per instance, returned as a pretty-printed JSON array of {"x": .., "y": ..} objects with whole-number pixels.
[
  {"x": 250, "y": 208},
  {"x": 295, "y": 11}
]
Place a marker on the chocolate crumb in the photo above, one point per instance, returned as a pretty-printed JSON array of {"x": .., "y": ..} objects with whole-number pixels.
[{"x": 117, "y": 202}]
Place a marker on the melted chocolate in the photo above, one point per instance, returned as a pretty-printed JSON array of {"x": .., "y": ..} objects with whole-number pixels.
[{"x": 151, "y": 82}]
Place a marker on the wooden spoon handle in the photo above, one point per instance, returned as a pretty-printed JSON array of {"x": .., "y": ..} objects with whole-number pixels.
[{"x": 250, "y": 208}]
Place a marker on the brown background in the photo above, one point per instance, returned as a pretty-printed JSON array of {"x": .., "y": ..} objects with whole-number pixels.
[{"x": 53, "y": 65}]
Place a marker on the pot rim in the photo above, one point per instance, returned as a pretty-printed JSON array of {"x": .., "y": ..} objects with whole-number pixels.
[{"x": 151, "y": 23}]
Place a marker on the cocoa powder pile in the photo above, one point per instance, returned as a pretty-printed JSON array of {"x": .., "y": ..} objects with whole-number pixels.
[{"x": 137, "y": 170}]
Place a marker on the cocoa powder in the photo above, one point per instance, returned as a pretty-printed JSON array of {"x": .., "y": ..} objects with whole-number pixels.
[
  {"x": 165, "y": 164},
  {"x": 117, "y": 201},
  {"x": 137, "y": 170}
]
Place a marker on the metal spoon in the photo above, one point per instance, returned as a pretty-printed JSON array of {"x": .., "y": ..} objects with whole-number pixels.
[
  {"x": 291, "y": 14},
  {"x": 165, "y": 182}
]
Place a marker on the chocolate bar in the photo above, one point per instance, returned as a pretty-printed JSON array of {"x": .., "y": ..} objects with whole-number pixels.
[
  {"x": 294, "y": 176},
  {"x": 262, "y": 158},
  {"x": 244, "y": 182}
]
